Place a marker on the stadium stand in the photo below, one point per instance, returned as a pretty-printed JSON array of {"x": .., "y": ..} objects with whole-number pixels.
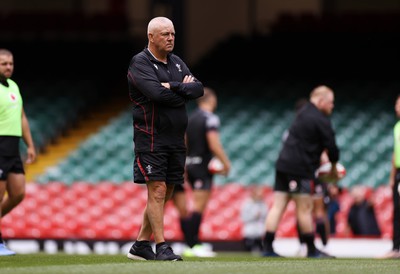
[
  {"x": 109, "y": 211},
  {"x": 89, "y": 195},
  {"x": 252, "y": 136},
  {"x": 50, "y": 114},
  {"x": 105, "y": 156},
  {"x": 87, "y": 125}
]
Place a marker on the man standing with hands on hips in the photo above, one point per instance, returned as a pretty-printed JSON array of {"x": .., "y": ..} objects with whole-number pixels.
[{"x": 160, "y": 85}]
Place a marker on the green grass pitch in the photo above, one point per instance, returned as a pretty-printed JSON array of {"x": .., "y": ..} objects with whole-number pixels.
[{"x": 224, "y": 263}]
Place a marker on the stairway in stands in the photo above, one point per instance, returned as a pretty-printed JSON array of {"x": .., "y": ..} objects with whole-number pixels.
[{"x": 89, "y": 124}]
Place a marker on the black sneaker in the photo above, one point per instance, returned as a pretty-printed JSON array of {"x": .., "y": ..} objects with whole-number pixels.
[
  {"x": 318, "y": 254},
  {"x": 165, "y": 253},
  {"x": 143, "y": 252}
]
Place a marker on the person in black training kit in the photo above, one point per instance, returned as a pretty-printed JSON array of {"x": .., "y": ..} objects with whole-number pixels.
[
  {"x": 160, "y": 85},
  {"x": 309, "y": 135},
  {"x": 320, "y": 213},
  {"x": 203, "y": 143}
]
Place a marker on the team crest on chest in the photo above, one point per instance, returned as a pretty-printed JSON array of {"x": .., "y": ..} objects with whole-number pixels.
[
  {"x": 179, "y": 67},
  {"x": 13, "y": 97}
]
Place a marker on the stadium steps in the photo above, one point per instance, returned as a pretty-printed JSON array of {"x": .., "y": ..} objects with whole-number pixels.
[{"x": 88, "y": 124}]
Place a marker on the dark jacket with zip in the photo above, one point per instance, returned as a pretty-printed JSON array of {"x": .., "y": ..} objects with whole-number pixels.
[{"x": 159, "y": 114}]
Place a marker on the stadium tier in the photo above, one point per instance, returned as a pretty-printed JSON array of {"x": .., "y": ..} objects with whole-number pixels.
[
  {"x": 252, "y": 135},
  {"x": 52, "y": 108},
  {"x": 92, "y": 187},
  {"x": 109, "y": 211}
]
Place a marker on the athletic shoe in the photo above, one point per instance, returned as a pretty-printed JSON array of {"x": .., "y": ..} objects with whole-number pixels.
[
  {"x": 143, "y": 252},
  {"x": 394, "y": 254},
  {"x": 188, "y": 252},
  {"x": 318, "y": 254},
  {"x": 201, "y": 250},
  {"x": 165, "y": 253},
  {"x": 271, "y": 254},
  {"x": 4, "y": 251},
  {"x": 302, "y": 251}
]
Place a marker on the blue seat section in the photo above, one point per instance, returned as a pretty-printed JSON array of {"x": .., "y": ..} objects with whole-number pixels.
[
  {"x": 364, "y": 134},
  {"x": 52, "y": 108},
  {"x": 252, "y": 127},
  {"x": 105, "y": 156}
]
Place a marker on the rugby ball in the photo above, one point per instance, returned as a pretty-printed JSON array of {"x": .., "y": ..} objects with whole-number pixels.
[
  {"x": 323, "y": 172},
  {"x": 215, "y": 165}
]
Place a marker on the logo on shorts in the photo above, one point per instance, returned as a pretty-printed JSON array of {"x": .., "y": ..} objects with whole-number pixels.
[
  {"x": 318, "y": 189},
  {"x": 149, "y": 168},
  {"x": 198, "y": 184},
  {"x": 292, "y": 185}
]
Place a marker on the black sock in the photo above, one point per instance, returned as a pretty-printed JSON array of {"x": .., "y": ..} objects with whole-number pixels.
[
  {"x": 321, "y": 230},
  {"x": 159, "y": 245},
  {"x": 194, "y": 228},
  {"x": 301, "y": 240},
  {"x": 1, "y": 238},
  {"x": 309, "y": 240},
  {"x": 185, "y": 223},
  {"x": 269, "y": 237},
  {"x": 141, "y": 243}
]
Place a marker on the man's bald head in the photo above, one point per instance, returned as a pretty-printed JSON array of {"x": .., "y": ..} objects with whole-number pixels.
[
  {"x": 323, "y": 98},
  {"x": 157, "y": 23}
]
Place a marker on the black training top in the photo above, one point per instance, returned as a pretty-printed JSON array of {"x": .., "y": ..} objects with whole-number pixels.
[
  {"x": 198, "y": 150},
  {"x": 310, "y": 133},
  {"x": 159, "y": 114}
]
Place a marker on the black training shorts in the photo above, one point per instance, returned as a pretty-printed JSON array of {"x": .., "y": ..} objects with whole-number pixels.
[
  {"x": 198, "y": 177},
  {"x": 293, "y": 184},
  {"x": 159, "y": 166},
  {"x": 179, "y": 188},
  {"x": 10, "y": 164}
]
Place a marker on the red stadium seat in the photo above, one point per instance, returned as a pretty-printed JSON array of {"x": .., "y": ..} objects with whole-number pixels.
[{"x": 107, "y": 211}]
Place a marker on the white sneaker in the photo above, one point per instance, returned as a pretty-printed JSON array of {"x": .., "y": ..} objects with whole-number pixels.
[
  {"x": 4, "y": 251},
  {"x": 302, "y": 251},
  {"x": 391, "y": 255},
  {"x": 201, "y": 250}
]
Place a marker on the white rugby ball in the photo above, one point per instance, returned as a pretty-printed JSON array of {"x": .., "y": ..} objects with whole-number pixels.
[
  {"x": 323, "y": 172},
  {"x": 215, "y": 165}
]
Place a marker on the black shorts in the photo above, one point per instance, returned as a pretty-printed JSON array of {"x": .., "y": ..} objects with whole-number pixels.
[
  {"x": 10, "y": 164},
  {"x": 168, "y": 167},
  {"x": 179, "y": 188},
  {"x": 198, "y": 177},
  {"x": 293, "y": 184}
]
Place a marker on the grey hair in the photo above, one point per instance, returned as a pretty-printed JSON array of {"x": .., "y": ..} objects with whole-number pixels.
[
  {"x": 5, "y": 52},
  {"x": 156, "y": 22}
]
